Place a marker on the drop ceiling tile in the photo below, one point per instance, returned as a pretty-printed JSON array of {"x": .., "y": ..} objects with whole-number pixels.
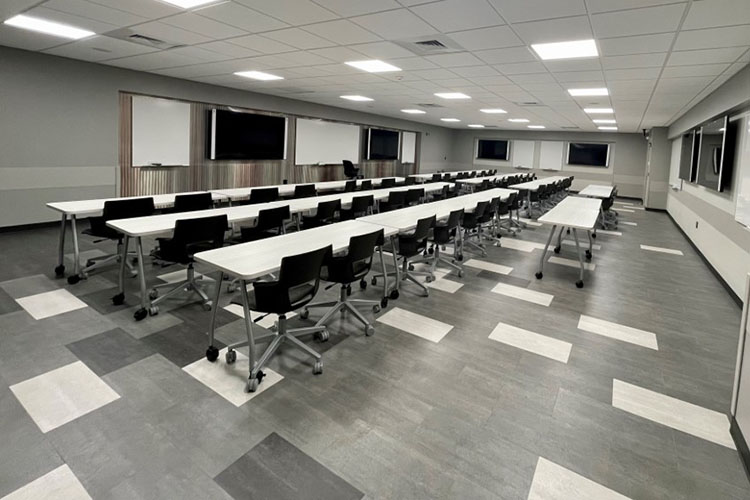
[
  {"x": 412, "y": 63},
  {"x": 456, "y": 15},
  {"x": 172, "y": 34},
  {"x": 144, "y": 8},
  {"x": 529, "y": 78},
  {"x": 294, "y": 12},
  {"x": 521, "y": 68},
  {"x": 349, "y": 8},
  {"x": 203, "y": 25},
  {"x": 640, "y": 44},
  {"x": 487, "y": 38},
  {"x": 241, "y": 17},
  {"x": 474, "y": 71},
  {"x": 299, "y": 38},
  {"x": 338, "y": 54},
  {"x": 716, "y": 13},
  {"x": 634, "y": 61},
  {"x": 98, "y": 27},
  {"x": 29, "y": 40},
  {"x": 342, "y": 32},
  {"x": 631, "y": 74},
  {"x": 154, "y": 60},
  {"x": 502, "y": 56},
  {"x": 83, "y": 8},
  {"x": 395, "y": 24},
  {"x": 587, "y": 64},
  {"x": 516, "y": 11},
  {"x": 454, "y": 60},
  {"x": 596, "y": 6},
  {"x": 699, "y": 70},
  {"x": 9, "y": 8},
  {"x": 261, "y": 44},
  {"x": 230, "y": 50},
  {"x": 659, "y": 19},
  {"x": 382, "y": 50},
  {"x": 733, "y": 36},
  {"x": 707, "y": 56},
  {"x": 435, "y": 74},
  {"x": 490, "y": 80},
  {"x": 555, "y": 30},
  {"x": 99, "y": 48}
]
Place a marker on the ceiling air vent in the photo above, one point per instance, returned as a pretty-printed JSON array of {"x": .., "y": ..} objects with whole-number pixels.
[
  {"x": 568, "y": 127},
  {"x": 429, "y": 45},
  {"x": 131, "y": 36},
  {"x": 429, "y": 105},
  {"x": 529, "y": 103}
]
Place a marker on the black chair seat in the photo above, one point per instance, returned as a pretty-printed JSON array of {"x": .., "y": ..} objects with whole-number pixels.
[{"x": 296, "y": 294}]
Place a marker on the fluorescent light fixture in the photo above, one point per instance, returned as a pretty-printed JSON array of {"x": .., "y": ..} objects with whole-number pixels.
[
  {"x": 565, "y": 50},
  {"x": 258, "y": 75},
  {"x": 189, "y": 4},
  {"x": 518, "y": 120},
  {"x": 607, "y": 128},
  {"x": 373, "y": 66},
  {"x": 413, "y": 111},
  {"x": 598, "y": 111},
  {"x": 536, "y": 126},
  {"x": 475, "y": 125},
  {"x": 48, "y": 27},
  {"x": 360, "y": 98},
  {"x": 452, "y": 95},
  {"x": 450, "y": 120},
  {"x": 588, "y": 92},
  {"x": 493, "y": 111},
  {"x": 604, "y": 120}
]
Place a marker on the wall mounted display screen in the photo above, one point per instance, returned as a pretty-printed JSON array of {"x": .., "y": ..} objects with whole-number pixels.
[
  {"x": 716, "y": 154},
  {"x": 492, "y": 149},
  {"x": 235, "y": 135},
  {"x": 591, "y": 155},
  {"x": 686, "y": 157},
  {"x": 382, "y": 144}
]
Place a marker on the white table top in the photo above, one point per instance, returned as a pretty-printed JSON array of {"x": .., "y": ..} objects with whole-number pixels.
[
  {"x": 164, "y": 223},
  {"x": 288, "y": 189},
  {"x": 95, "y": 207},
  {"x": 542, "y": 181},
  {"x": 406, "y": 218},
  {"x": 491, "y": 178},
  {"x": 258, "y": 258},
  {"x": 574, "y": 212},
  {"x": 597, "y": 191}
]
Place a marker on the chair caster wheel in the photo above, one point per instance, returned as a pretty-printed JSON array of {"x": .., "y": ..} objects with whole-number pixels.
[
  {"x": 118, "y": 299},
  {"x": 73, "y": 279},
  {"x": 539, "y": 276},
  {"x": 322, "y": 336},
  {"x": 374, "y": 281},
  {"x": 252, "y": 385},
  {"x": 140, "y": 314},
  {"x": 304, "y": 314},
  {"x": 593, "y": 235},
  {"x": 411, "y": 267},
  {"x": 384, "y": 302},
  {"x": 376, "y": 308},
  {"x": 348, "y": 290},
  {"x": 567, "y": 231},
  {"x": 556, "y": 249},
  {"x": 362, "y": 284},
  {"x": 230, "y": 357},
  {"x": 207, "y": 306},
  {"x": 429, "y": 279},
  {"x": 318, "y": 368},
  {"x": 231, "y": 288},
  {"x": 59, "y": 271},
  {"x": 89, "y": 263},
  {"x": 369, "y": 330},
  {"x": 588, "y": 255},
  {"x": 430, "y": 251},
  {"x": 460, "y": 257},
  {"x": 153, "y": 310},
  {"x": 212, "y": 353},
  {"x": 153, "y": 294},
  {"x": 460, "y": 274},
  {"x": 579, "y": 284},
  {"x": 393, "y": 294}
]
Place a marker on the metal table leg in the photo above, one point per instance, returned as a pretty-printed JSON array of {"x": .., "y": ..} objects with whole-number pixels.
[
  {"x": 384, "y": 300},
  {"x": 60, "y": 269},
  {"x": 559, "y": 239},
  {"x": 540, "y": 272},
  {"x": 145, "y": 300},
  {"x": 579, "y": 283},
  {"x": 119, "y": 299},
  {"x": 212, "y": 353},
  {"x": 395, "y": 293},
  {"x": 255, "y": 376},
  {"x": 589, "y": 252},
  {"x": 76, "y": 250}
]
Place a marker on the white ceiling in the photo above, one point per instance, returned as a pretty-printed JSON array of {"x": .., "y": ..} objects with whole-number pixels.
[{"x": 657, "y": 57}]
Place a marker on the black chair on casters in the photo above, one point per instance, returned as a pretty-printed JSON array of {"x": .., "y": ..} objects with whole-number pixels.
[
  {"x": 350, "y": 186},
  {"x": 410, "y": 181},
  {"x": 262, "y": 195},
  {"x": 414, "y": 196},
  {"x": 304, "y": 191},
  {"x": 345, "y": 270},
  {"x": 113, "y": 210},
  {"x": 437, "y": 178},
  {"x": 325, "y": 214},
  {"x": 271, "y": 222},
  {"x": 350, "y": 171},
  {"x": 396, "y": 200},
  {"x": 388, "y": 182},
  {"x": 365, "y": 185},
  {"x": 192, "y": 202},
  {"x": 298, "y": 282},
  {"x": 190, "y": 237},
  {"x": 361, "y": 206},
  {"x": 444, "y": 233},
  {"x": 471, "y": 224}
]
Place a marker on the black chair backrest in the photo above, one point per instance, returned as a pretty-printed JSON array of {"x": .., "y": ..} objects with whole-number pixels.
[
  {"x": 127, "y": 208},
  {"x": 263, "y": 195},
  {"x": 200, "y": 233},
  {"x": 305, "y": 191},
  {"x": 362, "y": 247},
  {"x": 453, "y": 220},
  {"x": 396, "y": 197},
  {"x": 292, "y": 290},
  {"x": 436, "y": 177},
  {"x": 423, "y": 228},
  {"x": 414, "y": 195},
  {"x": 360, "y": 204},
  {"x": 389, "y": 182},
  {"x": 192, "y": 202},
  {"x": 273, "y": 218},
  {"x": 327, "y": 209},
  {"x": 349, "y": 169},
  {"x": 350, "y": 186},
  {"x": 410, "y": 181},
  {"x": 366, "y": 185},
  {"x": 446, "y": 177},
  {"x": 478, "y": 212}
]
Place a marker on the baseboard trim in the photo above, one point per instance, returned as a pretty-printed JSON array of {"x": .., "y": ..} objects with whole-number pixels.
[
  {"x": 742, "y": 447},
  {"x": 726, "y": 286},
  {"x": 24, "y": 227}
]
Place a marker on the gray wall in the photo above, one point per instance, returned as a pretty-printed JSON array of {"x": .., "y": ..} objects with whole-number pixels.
[
  {"x": 59, "y": 127},
  {"x": 659, "y": 151},
  {"x": 627, "y": 156}
]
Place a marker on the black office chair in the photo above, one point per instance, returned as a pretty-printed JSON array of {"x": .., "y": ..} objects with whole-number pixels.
[
  {"x": 446, "y": 177},
  {"x": 445, "y": 233},
  {"x": 436, "y": 178},
  {"x": 325, "y": 214},
  {"x": 361, "y": 206},
  {"x": 350, "y": 171},
  {"x": 296, "y": 286},
  {"x": 350, "y": 186},
  {"x": 192, "y": 202},
  {"x": 190, "y": 237},
  {"x": 410, "y": 181},
  {"x": 488, "y": 222},
  {"x": 98, "y": 228},
  {"x": 471, "y": 226},
  {"x": 505, "y": 214},
  {"x": 345, "y": 270},
  {"x": 396, "y": 200},
  {"x": 414, "y": 196},
  {"x": 365, "y": 185},
  {"x": 271, "y": 222},
  {"x": 304, "y": 191},
  {"x": 388, "y": 182},
  {"x": 262, "y": 195},
  {"x": 442, "y": 194}
]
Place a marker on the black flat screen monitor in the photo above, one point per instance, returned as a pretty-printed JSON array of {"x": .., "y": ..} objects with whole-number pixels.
[
  {"x": 588, "y": 154},
  {"x": 493, "y": 149},
  {"x": 236, "y": 135},
  {"x": 382, "y": 144}
]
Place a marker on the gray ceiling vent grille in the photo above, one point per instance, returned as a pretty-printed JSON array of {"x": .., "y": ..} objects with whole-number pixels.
[
  {"x": 429, "y": 45},
  {"x": 131, "y": 36},
  {"x": 429, "y": 105},
  {"x": 529, "y": 103},
  {"x": 568, "y": 127}
]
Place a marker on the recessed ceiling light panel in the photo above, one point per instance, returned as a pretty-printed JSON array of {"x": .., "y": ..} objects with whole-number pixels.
[
  {"x": 373, "y": 66},
  {"x": 450, "y": 120},
  {"x": 599, "y": 111},
  {"x": 189, "y": 4},
  {"x": 565, "y": 50},
  {"x": 48, "y": 27},
  {"x": 493, "y": 110},
  {"x": 452, "y": 95},
  {"x": 359, "y": 98},
  {"x": 536, "y": 126},
  {"x": 259, "y": 75},
  {"x": 475, "y": 125},
  {"x": 588, "y": 92},
  {"x": 413, "y": 111},
  {"x": 518, "y": 120},
  {"x": 604, "y": 120},
  {"x": 607, "y": 128}
]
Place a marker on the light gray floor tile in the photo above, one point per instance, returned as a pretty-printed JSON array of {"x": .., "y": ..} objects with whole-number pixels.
[
  {"x": 661, "y": 250},
  {"x": 416, "y": 324},
  {"x": 617, "y": 331},
  {"x": 543, "y": 299},
  {"x": 48, "y": 304},
  {"x": 56, "y": 484},
  {"x": 532, "y": 342},
  {"x": 554, "y": 482},
  {"x": 564, "y": 261},
  {"x": 488, "y": 266}
]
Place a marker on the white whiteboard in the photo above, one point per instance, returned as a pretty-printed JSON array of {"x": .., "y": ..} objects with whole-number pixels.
[
  {"x": 320, "y": 141},
  {"x": 742, "y": 211},
  {"x": 523, "y": 153},
  {"x": 408, "y": 147},
  {"x": 551, "y": 155},
  {"x": 161, "y": 132}
]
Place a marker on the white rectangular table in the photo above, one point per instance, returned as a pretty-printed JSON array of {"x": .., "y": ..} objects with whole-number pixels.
[
  {"x": 533, "y": 186},
  {"x": 575, "y": 213},
  {"x": 288, "y": 189},
  {"x": 90, "y": 208},
  {"x": 473, "y": 182},
  {"x": 597, "y": 191}
]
